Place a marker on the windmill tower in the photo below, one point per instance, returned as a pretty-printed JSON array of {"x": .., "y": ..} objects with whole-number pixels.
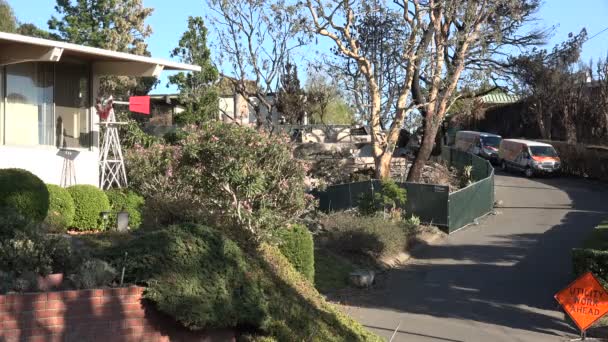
[{"x": 111, "y": 162}]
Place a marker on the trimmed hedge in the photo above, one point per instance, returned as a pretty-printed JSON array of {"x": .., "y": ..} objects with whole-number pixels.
[
  {"x": 594, "y": 255},
  {"x": 89, "y": 202},
  {"x": 126, "y": 200},
  {"x": 595, "y": 261},
  {"x": 22, "y": 191},
  {"x": 297, "y": 246},
  {"x": 61, "y": 208}
]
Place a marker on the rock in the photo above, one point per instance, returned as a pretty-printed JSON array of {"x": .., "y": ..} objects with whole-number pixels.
[{"x": 362, "y": 278}]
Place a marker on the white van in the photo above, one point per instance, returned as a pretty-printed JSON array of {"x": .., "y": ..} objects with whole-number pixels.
[
  {"x": 482, "y": 144},
  {"x": 530, "y": 157}
]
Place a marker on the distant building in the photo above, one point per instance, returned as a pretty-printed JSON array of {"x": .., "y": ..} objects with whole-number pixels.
[
  {"x": 492, "y": 102},
  {"x": 163, "y": 107},
  {"x": 235, "y": 109},
  {"x": 499, "y": 99}
]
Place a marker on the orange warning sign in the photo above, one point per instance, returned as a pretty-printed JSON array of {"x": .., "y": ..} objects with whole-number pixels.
[{"x": 585, "y": 300}]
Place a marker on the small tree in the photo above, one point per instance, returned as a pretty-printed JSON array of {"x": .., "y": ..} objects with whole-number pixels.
[
  {"x": 388, "y": 198},
  {"x": 255, "y": 38},
  {"x": 34, "y": 31},
  {"x": 553, "y": 85},
  {"x": 8, "y": 22},
  {"x": 324, "y": 101},
  {"x": 290, "y": 99},
  {"x": 196, "y": 89}
]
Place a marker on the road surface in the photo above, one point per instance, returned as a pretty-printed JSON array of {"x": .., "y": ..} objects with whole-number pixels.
[{"x": 494, "y": 281}]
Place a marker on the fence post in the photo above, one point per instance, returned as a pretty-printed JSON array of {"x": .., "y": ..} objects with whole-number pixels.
[
  {"x": 451, "y": 159},
  {"x": 350, "y": 196}
]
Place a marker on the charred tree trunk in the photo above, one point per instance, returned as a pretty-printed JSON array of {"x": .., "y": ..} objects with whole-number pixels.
[{"x": 428, "y": 139}]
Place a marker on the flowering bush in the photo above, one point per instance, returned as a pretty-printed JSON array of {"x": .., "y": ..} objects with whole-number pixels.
[{"x": 228, "y": 175}]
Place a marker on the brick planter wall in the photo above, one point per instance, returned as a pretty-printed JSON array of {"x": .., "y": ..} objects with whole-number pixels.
[{"x": 117, "y": 314}]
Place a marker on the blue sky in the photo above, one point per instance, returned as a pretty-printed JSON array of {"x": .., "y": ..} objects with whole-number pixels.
[{"x": 169, "y": 21}]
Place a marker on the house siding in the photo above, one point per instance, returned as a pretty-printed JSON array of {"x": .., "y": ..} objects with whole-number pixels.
[{"x": 52, "y": 165}]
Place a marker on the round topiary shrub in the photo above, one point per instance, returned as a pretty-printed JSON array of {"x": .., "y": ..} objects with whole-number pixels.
[
  {"x": 89, "y": 202},
  {"x": 61, "y": 208},
  {"x": 297, "y": 245},
  {"x": 126, "y": 200},
  {"x": 25, "y": 193}
]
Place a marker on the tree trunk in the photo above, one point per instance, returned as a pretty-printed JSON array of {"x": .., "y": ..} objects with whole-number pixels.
[
  {"x": 383, "y": 166},
  {"x": 430, "y": 132}
]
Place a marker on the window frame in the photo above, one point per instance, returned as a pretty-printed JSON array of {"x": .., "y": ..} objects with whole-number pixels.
[{"x": 90, "y": 110}]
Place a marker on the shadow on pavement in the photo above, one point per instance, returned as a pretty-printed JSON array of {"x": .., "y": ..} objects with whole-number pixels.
[
  {"x": 409, "y": 333},
  {"x": 508, "y": 276}
]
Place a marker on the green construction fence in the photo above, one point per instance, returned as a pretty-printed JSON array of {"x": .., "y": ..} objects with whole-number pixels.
[{"x": 434, "y": 204}]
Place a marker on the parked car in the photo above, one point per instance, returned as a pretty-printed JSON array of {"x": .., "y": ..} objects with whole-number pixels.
[
  {"x": 482, "y": 144},
  {"x": 530, "y": 157}
]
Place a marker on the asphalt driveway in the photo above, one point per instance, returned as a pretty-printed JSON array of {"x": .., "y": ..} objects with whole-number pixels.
[{"x": 494, "y": 281}]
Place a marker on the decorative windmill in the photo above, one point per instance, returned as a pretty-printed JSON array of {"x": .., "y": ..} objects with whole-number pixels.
[{"x": 111, "y": 161}]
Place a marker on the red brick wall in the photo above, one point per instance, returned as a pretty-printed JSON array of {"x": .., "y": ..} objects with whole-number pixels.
[{"x": 117, "y": 314}]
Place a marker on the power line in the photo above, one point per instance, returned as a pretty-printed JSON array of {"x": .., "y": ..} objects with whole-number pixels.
[
  {"x": 556, "y": 50},
  {"x": 597, "y": 34}
]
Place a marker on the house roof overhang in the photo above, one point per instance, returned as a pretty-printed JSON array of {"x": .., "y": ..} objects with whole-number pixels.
[{"x": 15, "y": 48}]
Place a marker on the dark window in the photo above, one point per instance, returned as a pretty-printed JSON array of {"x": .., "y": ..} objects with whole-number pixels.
[
  {"x": 543, "y": 151},
  {"x": 491, "y": 141}
]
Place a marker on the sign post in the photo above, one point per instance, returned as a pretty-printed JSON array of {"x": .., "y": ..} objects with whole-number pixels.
[{"x": 585, "y": 300}]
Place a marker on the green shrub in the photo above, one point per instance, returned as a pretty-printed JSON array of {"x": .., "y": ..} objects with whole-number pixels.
[
  {"x": 204, "y": 280},
  {"x": 94, "y": 273},
  {"x": 38, "y": 253},
  {"x": 297, "y": 245},
  {"x": 61, "y": 208},
  {"x": 59, "y": 249},
  {"x": 368, "y": 235},
  {"x": 126, "y": 200},
  {"x": 23, "y": 254},
  {"x": 465, "y": 176},
  {"x": 24, "y": 192},
  {"x": 197, "y": 276},
  {"x": 12, "y": 222},
  {"x": 591, "y": 260},
  {"x": 27, "y": 282},
  {"x": 389, "y": 197},
  {"x": 175, "y": 137},
  {"x": 131, "y": 133},
  {"x": 89, "y": 202},
  {"x": 593, "y": 256},
  {"x": 229, "y": 176}
]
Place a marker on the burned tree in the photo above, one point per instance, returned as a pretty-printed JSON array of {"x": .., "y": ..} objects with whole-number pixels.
[
  {"x": 254, "y": 40},
  {"x": 442, "y": 42}
]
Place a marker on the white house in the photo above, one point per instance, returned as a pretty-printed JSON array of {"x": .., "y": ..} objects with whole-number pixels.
[{"x": 48, "y": 123}]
